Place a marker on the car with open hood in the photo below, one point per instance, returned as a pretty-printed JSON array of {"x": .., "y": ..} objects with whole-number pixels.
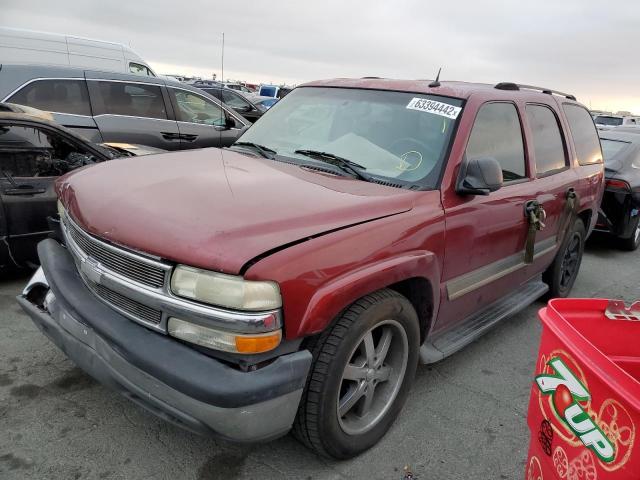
[{"x": 296, "y": 279}]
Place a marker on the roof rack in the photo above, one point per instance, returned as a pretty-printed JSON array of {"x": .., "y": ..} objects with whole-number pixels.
[{"x": 517, "y": 86}]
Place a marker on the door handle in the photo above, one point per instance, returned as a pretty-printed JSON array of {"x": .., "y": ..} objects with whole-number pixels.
[
  {"x": 188, "y": 137},
  {"x": 24, "y": 190},
  {"x": 535, "y": 213},
  {"x": 170, "y": 135}
]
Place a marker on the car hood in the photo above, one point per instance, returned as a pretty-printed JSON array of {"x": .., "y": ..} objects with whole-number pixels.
[{"x": 218, "y": 209}]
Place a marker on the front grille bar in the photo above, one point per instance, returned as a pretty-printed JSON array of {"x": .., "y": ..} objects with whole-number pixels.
[{"x": 134, "y": 267}]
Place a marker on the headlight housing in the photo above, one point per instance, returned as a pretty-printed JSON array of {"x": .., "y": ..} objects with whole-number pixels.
[
  {"x": 225, "y": 290},
  {"x": 221, "y": 340}
]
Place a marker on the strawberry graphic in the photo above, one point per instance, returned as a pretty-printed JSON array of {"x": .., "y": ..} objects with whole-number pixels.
[{"x": 562, "y": 399}]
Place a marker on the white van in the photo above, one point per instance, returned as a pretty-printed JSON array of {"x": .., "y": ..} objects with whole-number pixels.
[{"x": 40, "y": 48}]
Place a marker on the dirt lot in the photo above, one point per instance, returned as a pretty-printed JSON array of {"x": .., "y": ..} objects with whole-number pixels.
[{"x": 465, "y": 417}]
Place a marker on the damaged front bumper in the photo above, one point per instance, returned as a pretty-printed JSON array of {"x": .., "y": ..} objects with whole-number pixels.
[{"x": 164, "y": 376}]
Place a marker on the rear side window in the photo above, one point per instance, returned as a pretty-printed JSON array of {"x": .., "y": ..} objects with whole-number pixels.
[
  {"x": 497, "y": 133},
  {"x": 585, "y": 136},
  {"x": 547, "y": 140},
  {"x": 130, "y": 99},
  {"x": 61, "y": 96}
]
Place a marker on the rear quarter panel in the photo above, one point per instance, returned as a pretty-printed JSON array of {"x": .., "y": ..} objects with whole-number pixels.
[{"x": 322, "y": 276}]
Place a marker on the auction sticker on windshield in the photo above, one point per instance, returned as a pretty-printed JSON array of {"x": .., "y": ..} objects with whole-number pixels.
[{"x": 437, "y": 108}]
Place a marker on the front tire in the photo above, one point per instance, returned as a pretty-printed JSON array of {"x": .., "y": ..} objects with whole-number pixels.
[
  {"x": 362, "y": 371},
  {"x": 562, "y": 273}
]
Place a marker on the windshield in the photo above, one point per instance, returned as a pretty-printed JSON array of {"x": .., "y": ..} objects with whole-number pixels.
[
  {"x": 612, "y": 121},
  {"x": 395, "y": 135}
]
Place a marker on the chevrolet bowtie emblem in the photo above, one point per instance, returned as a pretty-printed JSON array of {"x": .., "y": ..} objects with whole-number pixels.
[{"x": 91, "y": 269}]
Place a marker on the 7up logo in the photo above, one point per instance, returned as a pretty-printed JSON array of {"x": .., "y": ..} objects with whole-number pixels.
[{"x": 566, "y": 390}]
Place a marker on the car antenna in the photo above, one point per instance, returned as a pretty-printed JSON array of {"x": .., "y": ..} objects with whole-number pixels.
[
  {"x": 224, "y": 114},
  {"x": 436, "y": 82}
]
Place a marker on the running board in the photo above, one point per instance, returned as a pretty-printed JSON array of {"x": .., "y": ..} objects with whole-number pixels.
[{"x": 446, "y": 343}]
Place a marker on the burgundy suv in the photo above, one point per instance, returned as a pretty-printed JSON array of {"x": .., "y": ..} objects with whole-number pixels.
[{"x": 295, "y": 280}]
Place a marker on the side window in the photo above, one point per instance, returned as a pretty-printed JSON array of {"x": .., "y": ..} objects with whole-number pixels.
[
  {"x": 196, "y": 109},
  {"x": 62, "y": 96},
  {"x": 27, "y": 151},
  {"x": 140, "y": 69},
  {"x": 131, "y": 99},
  {"x": 497, "y": 133},
  {"x": 547, "y": 139},
  {"x": 584, "y": 134},
  {"x": 235, "y": 101}
]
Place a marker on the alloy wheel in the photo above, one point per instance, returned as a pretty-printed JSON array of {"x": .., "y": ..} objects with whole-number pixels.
[
  {"x": 372, "y": 377},
  {"x": 571, "y": 261}
]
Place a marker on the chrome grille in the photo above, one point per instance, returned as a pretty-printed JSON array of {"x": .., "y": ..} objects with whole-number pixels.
[
  {"x": 120, "y": 263},
  {"x": 126, "y": 305}
]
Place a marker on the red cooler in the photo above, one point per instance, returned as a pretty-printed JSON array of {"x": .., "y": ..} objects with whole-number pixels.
[{"x": 584, "y": 409}]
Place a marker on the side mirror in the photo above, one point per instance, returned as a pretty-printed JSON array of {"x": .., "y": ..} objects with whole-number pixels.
[
  {"x": 479, "y": 176},
  {"x": 244, "y": 109}
]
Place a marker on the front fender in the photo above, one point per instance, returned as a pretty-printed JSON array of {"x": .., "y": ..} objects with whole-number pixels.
[
  {"x": 321, "y": 276},
  {"x": 333, "y": 297}
]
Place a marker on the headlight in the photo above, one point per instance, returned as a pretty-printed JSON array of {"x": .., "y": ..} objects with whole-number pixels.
[
  {"x": 225, "y": 290},
  {"x": 220, "y": 340}
]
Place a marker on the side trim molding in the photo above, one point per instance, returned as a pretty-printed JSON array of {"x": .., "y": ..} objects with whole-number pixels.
[{"x": 459, "y": 286}]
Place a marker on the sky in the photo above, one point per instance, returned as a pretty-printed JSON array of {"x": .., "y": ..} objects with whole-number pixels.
[{"x": 585, "y": 47}]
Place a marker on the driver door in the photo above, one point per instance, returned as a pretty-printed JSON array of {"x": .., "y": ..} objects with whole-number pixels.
[
  {"x": 486, "y": 235},
  {"x": 202, "y": 122}
]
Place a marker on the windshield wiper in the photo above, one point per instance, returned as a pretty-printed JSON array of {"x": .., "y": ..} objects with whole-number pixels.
[
  {"x": 264, "y": 152},
  {"x": 342, "y": 163}
]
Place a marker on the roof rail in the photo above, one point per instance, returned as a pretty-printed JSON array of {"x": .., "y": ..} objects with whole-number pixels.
[{"x": 517, "y": 86}]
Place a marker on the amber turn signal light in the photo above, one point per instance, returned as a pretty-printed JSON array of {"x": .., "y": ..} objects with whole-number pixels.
[{"x": 258, "y": 343}]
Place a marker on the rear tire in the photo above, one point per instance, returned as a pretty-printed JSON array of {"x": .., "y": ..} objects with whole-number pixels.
[
  {"x": 362, "y": 371},
  {"x": 633, "y": 242},
  {"x": 562, "y": 273}
]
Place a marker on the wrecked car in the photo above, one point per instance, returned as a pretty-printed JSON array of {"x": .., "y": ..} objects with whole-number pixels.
[
  {"x": 295, "y": 280},
  {"x": 34, "y": 151}
]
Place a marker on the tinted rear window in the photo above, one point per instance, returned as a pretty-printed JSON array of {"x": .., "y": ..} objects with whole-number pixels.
[
  {"x": 63, "y": 96},
  {"x": 584, "y": 134},
  {"x": 130, "y": 99},
  {"x": 547, "y": 139},
  {"x": 611, "y": 121},
  {"x": 268, "y": 91}
]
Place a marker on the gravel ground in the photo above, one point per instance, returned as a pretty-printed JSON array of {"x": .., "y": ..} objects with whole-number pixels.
[{"x": 465, "y": 417}]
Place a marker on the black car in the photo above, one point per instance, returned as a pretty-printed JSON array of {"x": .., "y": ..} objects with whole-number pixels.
[
  {"x": 34, "y": 151},
  {"x": 236, "y": 101},
  {"x": 619, "y": 213}
]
